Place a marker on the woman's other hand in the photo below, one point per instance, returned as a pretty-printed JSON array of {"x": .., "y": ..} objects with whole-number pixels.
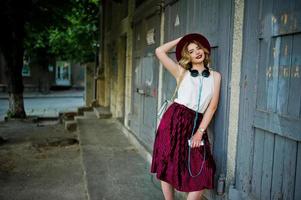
[{"x": 196, "y": 140}]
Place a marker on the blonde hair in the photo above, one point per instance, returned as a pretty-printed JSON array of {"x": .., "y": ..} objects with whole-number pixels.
[{"x": 185, "y": 60}]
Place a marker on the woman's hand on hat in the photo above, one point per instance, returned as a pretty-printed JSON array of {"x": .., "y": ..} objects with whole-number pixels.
[
  {"x": 196, "y": 140},
  {"x": 178, "y": 39}
]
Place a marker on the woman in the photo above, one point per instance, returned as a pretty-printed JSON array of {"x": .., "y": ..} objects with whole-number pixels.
[{"x": 187, "y": 167}]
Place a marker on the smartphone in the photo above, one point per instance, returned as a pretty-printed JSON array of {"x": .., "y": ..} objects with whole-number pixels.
[{"x": 189, "y": 143}]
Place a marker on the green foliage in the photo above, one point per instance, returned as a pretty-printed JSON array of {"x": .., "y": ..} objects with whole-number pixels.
[{"x": 67, "y": 31}]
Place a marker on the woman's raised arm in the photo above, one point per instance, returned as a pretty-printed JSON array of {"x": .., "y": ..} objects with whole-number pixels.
[{"x": 168, "y": 63}]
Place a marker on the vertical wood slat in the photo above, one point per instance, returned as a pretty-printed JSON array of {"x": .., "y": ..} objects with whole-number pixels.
[
  {"x": 281, "y": 6},
  {"x": 246, "y": 132},
  {"x": 172, "y": 12},
  {"x": 272, "y": 82},
  {"x": 297, "y": 5},
  {"x": 281, "y": 11},
  {"x": 191, "y": 17},
  {"x": 149, "y": 79},
  {"x": 136, "y": 98},
  {"x": 278, "y": 158},
  {"x": 263, "y": 74},
  {"x": 283, "y": 78},
  {"x": 265, "y": 68},
  {"x": 220, "y": 40},
  {"x": 267, "y": 167},
  {"x": 288, "y": 186},
  {"x": 297, "y": 194},
  {"x": 207, "y": 24},
  {"x": 257, "y": 162},
  {"x": 294, "y": 101}
]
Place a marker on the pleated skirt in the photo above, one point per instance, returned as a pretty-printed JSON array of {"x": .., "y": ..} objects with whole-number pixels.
[{"x": 170, "y": 152}]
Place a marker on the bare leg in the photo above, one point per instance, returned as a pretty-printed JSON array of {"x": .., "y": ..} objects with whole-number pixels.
[
  {"x": 195, "y": 195},
  {"x": 168, "y": 190}
]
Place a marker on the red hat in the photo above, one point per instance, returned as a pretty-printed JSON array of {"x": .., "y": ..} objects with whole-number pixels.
[{"x": 189, "y": 38}]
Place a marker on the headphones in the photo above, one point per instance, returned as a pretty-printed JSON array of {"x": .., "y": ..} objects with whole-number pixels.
[{"x": 195, "y": 73}]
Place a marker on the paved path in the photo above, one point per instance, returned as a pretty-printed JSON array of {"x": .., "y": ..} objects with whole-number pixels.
[{"x": 114, "y": 168}]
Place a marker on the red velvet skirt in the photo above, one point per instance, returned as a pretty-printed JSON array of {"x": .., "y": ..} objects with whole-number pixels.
[{"x": 170, "y": 152}]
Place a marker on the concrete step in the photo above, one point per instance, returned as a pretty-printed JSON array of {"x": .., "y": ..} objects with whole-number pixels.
[
  {"x": 67, "y": 116},
  {"x": 102, "y": 112},
  {"x": 77, "y": 118},
  {"x": 89, "y": 115},
  {"x": 71, "y": 126},
  {"x": 81, "y": 110}
]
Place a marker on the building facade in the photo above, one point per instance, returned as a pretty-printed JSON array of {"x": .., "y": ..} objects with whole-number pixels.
[
  {"x": 256, "y": 130},
  {"x": 60, "y": 74}
]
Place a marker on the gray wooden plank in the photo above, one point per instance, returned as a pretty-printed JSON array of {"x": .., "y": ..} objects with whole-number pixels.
[
  {"x": 257, "y": 162},
  {"x": 294, "y": 101},
  {"x": 283, "y": 78},
  {"x": 191, "y": 12},
  {"x": 152, "y": 22},
  {"x": 267, "y": 168},
  {"x": 282, "y": 125},
  {"x": 221, "y": 42},
  {"x": 284, "y": 24},
  {"x": 136, "y": 98},
  {"x": 297, "y": 5},
  {"x": 175, "y": 19},
  {"x": 202, "y": 19},
  {"x": 148, "y": 119},
  {"x": 288, "y": 186},
  {"x": 246, "y": 131},
  {"x": 280, "y": 7},
  {"x": 272, "y": 82},
  {"x": 262, "y": 75},
  {"x": 277, "y": 180},
  {"x": 297, "y": 194},
  {"x": 264, "y": 72}
]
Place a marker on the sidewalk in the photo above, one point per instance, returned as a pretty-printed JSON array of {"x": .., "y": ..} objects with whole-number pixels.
[
  {"x": 51, "y": 94},
  {"x": 113, "y": 167},
  {"x": 39, "y": 160}
]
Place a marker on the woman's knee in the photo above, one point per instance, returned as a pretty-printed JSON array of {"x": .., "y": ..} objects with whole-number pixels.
[{"x": 195, "y": 195}]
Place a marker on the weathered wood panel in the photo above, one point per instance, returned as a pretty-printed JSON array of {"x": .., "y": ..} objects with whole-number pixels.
[
  {"x": 267, "y": 165},
  {"x": 146, "y": 26},
  {"x": 297, "y": 193},
  {"x": 258, "y": 161},
  {"x": 271, "y": 146},
  {"x": 294, "y": 101},
  {"x": 289, "y": 169},
  {"x": 244, "y": 160}
]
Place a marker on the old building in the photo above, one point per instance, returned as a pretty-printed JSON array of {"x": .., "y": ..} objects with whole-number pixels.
[
  {"x": 256, "y": 131},
  {"x": 60, "y": 74}
]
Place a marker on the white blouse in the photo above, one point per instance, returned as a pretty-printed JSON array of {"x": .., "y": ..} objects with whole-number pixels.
[{"x": 189, "y": 90}]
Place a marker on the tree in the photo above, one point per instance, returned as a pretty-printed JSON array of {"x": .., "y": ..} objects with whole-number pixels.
[
  {"x": 44, "y": 29},
  {"x": 79, "y": 40},
  {"x": 12, "y": 20}
]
